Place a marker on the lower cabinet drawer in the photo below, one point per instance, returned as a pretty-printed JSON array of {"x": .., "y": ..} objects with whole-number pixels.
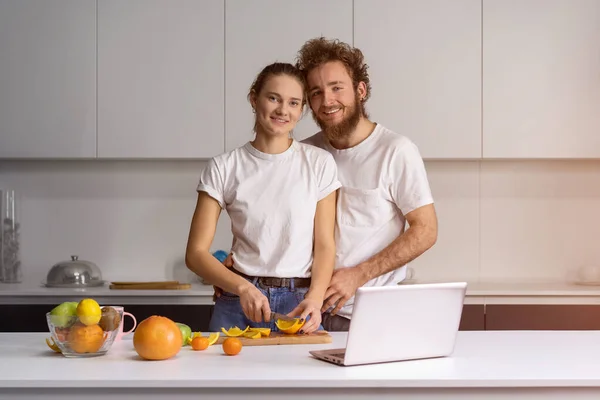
[
  {"x": 542, "y": 317},
  {"x": 32, "y": 317},
  {"x": 473, "y": 318}
]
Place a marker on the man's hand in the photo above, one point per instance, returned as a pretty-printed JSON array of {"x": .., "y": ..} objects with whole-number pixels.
[
  {"x": 255, "y": 304},
  {"x": 343, "y": 285},
  {"x": 308, "y": 307},
  {"x": 229, "y": 264}
]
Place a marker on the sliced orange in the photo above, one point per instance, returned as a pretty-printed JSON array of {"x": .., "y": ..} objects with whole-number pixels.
[
  {"x": 252, "y": 335},
  {"x": 212, "y": 338},
  {"x": 289, "y": 327},
  {"x": 234, "y": 332},
  {"x": 264, "y": 332}
]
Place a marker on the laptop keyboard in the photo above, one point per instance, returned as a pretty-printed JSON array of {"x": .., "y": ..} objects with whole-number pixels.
[{"x": 340, "y": 355}]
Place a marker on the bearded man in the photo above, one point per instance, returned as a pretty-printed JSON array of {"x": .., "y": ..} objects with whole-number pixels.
[{"x": 384, "y": 181}]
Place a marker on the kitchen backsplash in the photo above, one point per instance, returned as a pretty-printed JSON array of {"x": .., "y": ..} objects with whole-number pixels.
[{"x": 499, "y": 220}]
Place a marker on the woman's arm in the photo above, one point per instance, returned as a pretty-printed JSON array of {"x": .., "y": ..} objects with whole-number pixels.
[
  {"x": 322, "y": 267},
  {"x": 324, "y": 248},
  {"x": 198, "y": 257}
]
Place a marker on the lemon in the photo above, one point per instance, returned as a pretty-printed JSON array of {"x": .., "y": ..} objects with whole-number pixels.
[{"x": 89, "y": 312}]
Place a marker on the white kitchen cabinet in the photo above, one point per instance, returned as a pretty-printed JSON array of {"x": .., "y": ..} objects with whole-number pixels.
[
  {"x": 260, "y": 32},
  {"x": 424, "y": 60},
  {"x": 160, "y": 78},
  {"x": 47, "y": 79},
  {"x": 541, "y": 78}
]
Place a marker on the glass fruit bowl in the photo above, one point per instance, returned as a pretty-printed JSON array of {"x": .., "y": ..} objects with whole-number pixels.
[{"x": 77, "y": 337}]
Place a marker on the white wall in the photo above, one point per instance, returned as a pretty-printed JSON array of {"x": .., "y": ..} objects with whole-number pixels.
[{"x": 504, "y": 220}]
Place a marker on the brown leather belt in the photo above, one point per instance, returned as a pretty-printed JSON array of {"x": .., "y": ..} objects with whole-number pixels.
[{"x": 269, "y": 281}]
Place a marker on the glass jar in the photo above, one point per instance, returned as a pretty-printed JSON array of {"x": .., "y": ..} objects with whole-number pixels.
[{"x": 10, "y": 249}]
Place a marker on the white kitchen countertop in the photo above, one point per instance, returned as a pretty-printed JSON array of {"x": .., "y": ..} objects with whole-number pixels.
[
  {"x": 477, "y": 293},
  {"x": 27, "y": 293},
  {"x": 482, "y": 359}
]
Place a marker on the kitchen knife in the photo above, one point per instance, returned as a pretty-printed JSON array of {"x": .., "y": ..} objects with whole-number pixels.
[{"x": 276, "y": 316}]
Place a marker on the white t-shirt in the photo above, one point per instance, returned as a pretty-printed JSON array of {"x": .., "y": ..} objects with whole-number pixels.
[
  {"x": 271, "y": 200},
  {"x": 383, "y": 178}
]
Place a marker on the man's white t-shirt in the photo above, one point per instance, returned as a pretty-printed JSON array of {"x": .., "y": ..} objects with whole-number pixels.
[
  {"x": 383, "y": 178},
  {"x": 271, "y": 200}
]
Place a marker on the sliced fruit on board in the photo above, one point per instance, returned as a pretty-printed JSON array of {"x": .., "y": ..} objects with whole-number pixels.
[
  {"x": 234, "y": 332},
  {"x": 264, "y": 332},
  {"x": 278, "y": 338},
  {"x": 252, "y": 335}
]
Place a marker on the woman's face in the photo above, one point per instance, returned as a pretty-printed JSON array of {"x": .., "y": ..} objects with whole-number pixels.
[{"x": 278, "y": 105}]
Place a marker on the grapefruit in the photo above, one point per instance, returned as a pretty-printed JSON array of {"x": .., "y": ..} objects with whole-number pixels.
[{"x": 157, "y": 338}]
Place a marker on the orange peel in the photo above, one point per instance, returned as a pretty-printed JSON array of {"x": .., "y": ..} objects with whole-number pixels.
[{"x": 52, "y": 344}]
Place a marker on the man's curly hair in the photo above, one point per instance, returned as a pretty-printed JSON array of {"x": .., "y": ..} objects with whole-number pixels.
[{"x": 318, "y": 51}]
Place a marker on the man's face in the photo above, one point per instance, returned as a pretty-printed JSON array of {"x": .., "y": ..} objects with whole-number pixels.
[{"x": 334, "y": 103}]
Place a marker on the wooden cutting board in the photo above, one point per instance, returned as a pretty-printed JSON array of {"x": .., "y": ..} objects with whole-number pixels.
[
  {"x": 154, "y": 285},
  {"x": 277, "y": 338}
]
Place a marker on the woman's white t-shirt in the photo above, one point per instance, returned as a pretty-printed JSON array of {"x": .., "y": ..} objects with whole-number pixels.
[{"x": 271, "y": 200}]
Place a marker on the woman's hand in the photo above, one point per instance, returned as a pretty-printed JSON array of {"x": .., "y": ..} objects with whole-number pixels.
[
  {"x": 255, "y": 304},
  {"x": 309, "y": 310}
]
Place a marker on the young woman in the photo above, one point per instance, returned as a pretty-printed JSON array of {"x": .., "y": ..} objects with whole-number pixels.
[{"x": 280, "y": 196}]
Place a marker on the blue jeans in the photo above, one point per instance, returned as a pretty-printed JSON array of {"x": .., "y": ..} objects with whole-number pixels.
[{"x": 228, "y": 312}]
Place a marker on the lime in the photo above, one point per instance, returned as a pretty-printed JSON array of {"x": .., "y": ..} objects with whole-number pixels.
[{"x": 186, "y": 332}]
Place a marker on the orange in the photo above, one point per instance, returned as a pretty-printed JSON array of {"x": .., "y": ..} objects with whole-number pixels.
[
  {"x": 200, "y": 343},
  {"x": 86, "y": 338},
  {"x": 157, "y": 338},
  {"x": 232, "y": 346}
]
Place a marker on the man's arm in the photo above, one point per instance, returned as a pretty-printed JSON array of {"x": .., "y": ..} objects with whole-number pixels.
[{"x": 420, "y": 236}]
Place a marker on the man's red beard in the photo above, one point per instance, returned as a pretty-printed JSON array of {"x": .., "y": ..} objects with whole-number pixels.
[{"x": 343, "y": 129}]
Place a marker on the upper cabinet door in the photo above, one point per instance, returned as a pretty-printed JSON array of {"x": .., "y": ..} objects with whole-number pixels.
[
  {"x": 541, "y": 78},
  {"x": 47, "y": 79},
  {"x": 424, "y": 60},
  {"x": 160, "y": 78},
  {"x": 260, "y": 32}
]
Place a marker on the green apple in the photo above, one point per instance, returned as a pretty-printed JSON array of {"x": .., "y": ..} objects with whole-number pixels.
[
  {"x": 62, "y": 313},
  {"x": 186, "y": 332}
]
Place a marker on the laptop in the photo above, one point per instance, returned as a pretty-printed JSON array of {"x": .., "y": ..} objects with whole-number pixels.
[{"x": 399, "y": 323}]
